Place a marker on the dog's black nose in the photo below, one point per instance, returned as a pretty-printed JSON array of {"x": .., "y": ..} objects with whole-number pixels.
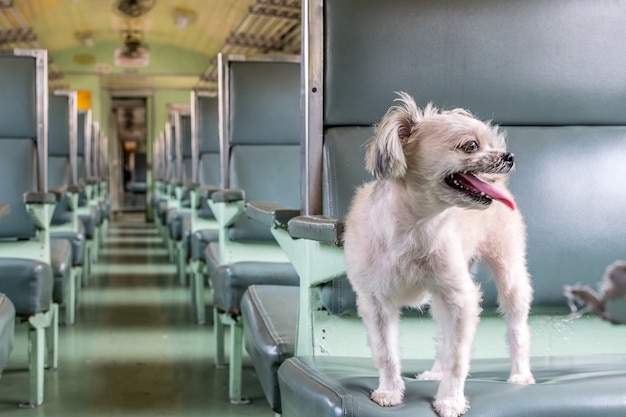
[{"x": 508, "y": 158}]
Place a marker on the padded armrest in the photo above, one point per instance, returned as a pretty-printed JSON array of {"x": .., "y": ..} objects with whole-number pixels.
[
  {"x": 319, "y": 228},
  {"x": 270, "y": 213},
  {"x": 58, "y": 193},
  {"x": 205, "y": 191},
  {"x": 228, "y": 195},
  {"x": 40, "y": 198},
  {"x": 75, "y": 188}
]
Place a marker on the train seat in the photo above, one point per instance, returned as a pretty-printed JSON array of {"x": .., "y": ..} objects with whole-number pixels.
[
  {"x": 269, "y": 315},
  {"x": 260, "y": 161},
  {"x": 179, "y": 217},
  {"x": 565, "y": 125},
  {"x": 89, "y": 216},
  {"x": 7, "y": 330},
  {"x": 25, "y": 264},
  {"x": 206, "y": 175},
  {"x": 62, "y": 177}
]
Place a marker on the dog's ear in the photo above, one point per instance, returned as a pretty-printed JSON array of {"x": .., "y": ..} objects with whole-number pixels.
[{"x": 385, "y": 157}]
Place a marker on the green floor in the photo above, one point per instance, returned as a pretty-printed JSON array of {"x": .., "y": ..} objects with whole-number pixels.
[{"x": 135, "y": 350}]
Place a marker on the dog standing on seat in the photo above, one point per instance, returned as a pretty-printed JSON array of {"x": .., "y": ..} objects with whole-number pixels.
[{"x": 412, "y": 234}]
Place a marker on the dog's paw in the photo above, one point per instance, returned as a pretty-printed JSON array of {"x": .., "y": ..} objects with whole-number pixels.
[
  {"x": 387, "y": 398},
  {"x": 429, "y": 376},
  {"x": 451, "y": 406},
  {"x": 522, "y": 379}
]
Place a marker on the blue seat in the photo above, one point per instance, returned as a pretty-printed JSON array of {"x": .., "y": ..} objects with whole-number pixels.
[
  {"x": 62, "y": 178},
  {"x": 179, "y": 218},
  {"x": 259, "y": 161},
  {"x": 26, "y": 274},
  {"x": 206, "y": 177},
  {"x": 88, "y": 214},
  {"x": 565, "y": 124},
  {"x": 7, "y": 330}
]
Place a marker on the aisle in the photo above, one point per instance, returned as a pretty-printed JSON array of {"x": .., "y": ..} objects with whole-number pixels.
[{"x": 135, "y": 350}]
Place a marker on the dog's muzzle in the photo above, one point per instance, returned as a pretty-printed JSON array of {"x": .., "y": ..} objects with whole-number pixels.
[{"x": 507, "y": 161}]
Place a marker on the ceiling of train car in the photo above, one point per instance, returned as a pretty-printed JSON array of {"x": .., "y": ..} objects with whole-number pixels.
[{"x": 77, "y": 33}]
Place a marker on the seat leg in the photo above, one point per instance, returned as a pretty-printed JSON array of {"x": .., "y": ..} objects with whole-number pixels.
[
  {"x": 52, "y": 338},
  {"x": 170, "y": 248},
  {"x": 37, "y": 325},
  {"x": 236, "y": 364},
  {"x": 198, "y": 291},
  {"x": 220, "y": 361},
  {"x": 70, "y": 303},
  {"x": 88, "y": 262},
  {"x": 181, "y": 265},
  {"x": 36, "y": 346},
  {"x": 96, "y": 243},
  {"x": 78, "y": 284}
]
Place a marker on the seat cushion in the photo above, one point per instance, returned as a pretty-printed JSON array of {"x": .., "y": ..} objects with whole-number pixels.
[
  {"x": 27, "y": 283},
  {"x": 200, "y": 239},
  {"x": 270, "y": 314},
  {"x": 76, "y": 239},
  {"x": 232, "y": 280},
  {"x": 212, "y": 257},
  {"x": 175, "y": 224},
  {"x": 61, "y": 262},
  {"x": 7, "y": 329},
  {"x": 575, "y": 386},
  {"x": 89, "y": 222}
]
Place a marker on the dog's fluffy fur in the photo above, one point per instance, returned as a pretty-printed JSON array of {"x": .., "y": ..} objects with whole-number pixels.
[{"x": 412, "y": 233}]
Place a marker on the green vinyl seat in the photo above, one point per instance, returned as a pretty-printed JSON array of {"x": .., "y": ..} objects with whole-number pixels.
[
  {"x": 565, "y": 124},
  {"x": 7, "y": 330},
  {"x": 26, "y": 274},
  {"x": 259, "y": 154}
]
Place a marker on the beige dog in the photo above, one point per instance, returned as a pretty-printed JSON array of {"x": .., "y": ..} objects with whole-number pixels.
[{"x": 412, "y": 233}]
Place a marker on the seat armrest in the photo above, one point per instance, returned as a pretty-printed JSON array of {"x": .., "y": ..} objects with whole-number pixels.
[
  {"x": 58, "y": 193},
  {"x": 317, "y": 227},
  {"x": 205, "y": 191},
  {"x": 270, "y": 213},
  {"x": 40, "y": 198},
  {"x": 228, "y": 196},
  {"x": 75, "y": 188}
]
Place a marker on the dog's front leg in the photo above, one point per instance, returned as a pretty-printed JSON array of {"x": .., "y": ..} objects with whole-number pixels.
[
  {"x": 456, "y": 311},
  {"x": 515, "y": 296},
  {"x": 382, "y": 322}
]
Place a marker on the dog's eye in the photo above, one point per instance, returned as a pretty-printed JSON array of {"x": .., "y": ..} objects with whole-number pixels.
[{"x": 470, "y": 147}]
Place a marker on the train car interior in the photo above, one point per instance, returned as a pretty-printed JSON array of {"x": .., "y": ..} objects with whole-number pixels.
[{"x": 178, "y": 226}]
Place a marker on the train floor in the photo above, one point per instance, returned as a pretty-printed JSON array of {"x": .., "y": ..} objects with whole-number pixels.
[{"x": 135, "y": 349}]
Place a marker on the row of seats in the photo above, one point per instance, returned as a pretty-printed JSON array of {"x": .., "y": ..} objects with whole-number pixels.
[
  {"x": 548, "y": 73},
  {"x": 54, "y": 206},
  {"x": 210, "y": 237}
]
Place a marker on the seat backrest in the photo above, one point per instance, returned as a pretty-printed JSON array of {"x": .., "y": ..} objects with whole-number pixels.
[
  {"x": 552, "y": 76},
  {"x": 260, "y": 134},
  {"x": 171, "y": 152},
  {"x": 23, "y": 135},
  {"x": 182, "y": 143},
  {"x": 62, "y": 130},
  {"x": 205, "y": 120}
]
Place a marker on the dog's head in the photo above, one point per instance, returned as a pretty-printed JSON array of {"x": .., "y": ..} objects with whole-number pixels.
[{"x": 451, "y": 155}]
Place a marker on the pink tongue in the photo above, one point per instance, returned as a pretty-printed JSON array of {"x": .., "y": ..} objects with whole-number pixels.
[{"x": 489, "y": 190}]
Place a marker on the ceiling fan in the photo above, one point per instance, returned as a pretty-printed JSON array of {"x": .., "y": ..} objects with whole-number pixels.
[
  {"x": 133, "y": 44},
  {"x": 133, "y": 8}
]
